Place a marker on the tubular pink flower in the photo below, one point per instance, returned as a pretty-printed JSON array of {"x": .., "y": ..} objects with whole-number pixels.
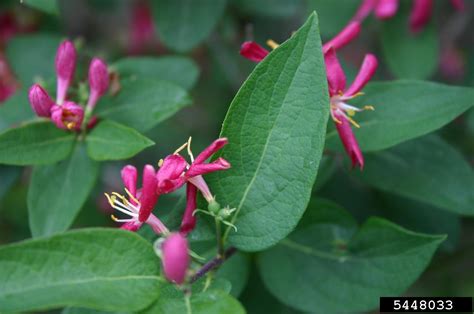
[
  {"x": 365, "y": 9},
  {"x": 148, "y": 197},
  {"x": 169, "y": 176},
  {"x": 386, "y": 9},
  {"x": 129, "y": 178},
  {"x": 420, "y": 14},
  {"x": 367, "y": 70},
  {"x": 40, "y": 101},
  {"x": 344, "y": 37},
  {"x": 198, "y": 181},
  {"x": 65, "y": 67},
  {"x": 175, "y": 258},
  {"x": 253, "y": 51},
  {"x": 349, "y": 141},
  {"x": 142, "y": 28},
  {"x": 335, "y": 74},
  {"x": 69, "y": 116},
  {"x": 189, "y": 220},
  {"x": 98, "y": 81}
]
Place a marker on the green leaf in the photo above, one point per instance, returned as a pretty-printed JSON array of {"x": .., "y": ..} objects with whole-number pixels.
[
  {"x": 35, "y": 144},
  {"x": 32, "y": 56},
  {"x": 275, "y": 126},
  {"x": 181, "y": 71},
  {"x": 270, "y": 8},
  {"x": 103, "y": 269},
  {"x": 80, "y": 310},
  {"x": 15, "y": 110},
  {"x": 183, "y": 24},
  {"x": 142, "y": 104},
  {"x": 409, "y": 55},
  {"x": 427, "y": 170},
  {"x": 330, "y": 267},
  {"x": 57, "y": 192},
  {"x": 47, "y": 6},
  {"x": 404, "y": 110},
  {"x": 113, "y": 141},
  {"x": 9, "y": 175}
]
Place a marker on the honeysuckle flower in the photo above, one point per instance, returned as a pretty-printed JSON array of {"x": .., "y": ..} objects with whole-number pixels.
[
  {"x": 142, "y": 28},
  {"x": 98, "y": 82},
  {"x": 68, "y": 116},
  {"x": 189, "y": 219},
  {"x": 341, "y": 111},
  {"x": 40, "y": 101},
  {"x": 140, "y": 203},
  {"x": 65, "y": 66},
  {"x": 253, "y": 51},
  {"x": 175, "y": 258}
]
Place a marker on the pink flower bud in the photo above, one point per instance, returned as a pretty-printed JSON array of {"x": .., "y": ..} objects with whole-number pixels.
[
  {"x": 40, "y": 101},
  {"x": 65, "y": 66},
  {"x": 98, "y": 81},
  {"x": 175, "y": 260},
  {"x": 69, "y": 116},
  {"x": 253, "y": 51}
]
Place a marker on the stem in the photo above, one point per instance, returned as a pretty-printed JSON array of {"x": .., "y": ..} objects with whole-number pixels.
[
  {"x": 220, "y": 242},
  {"x": 213, "y": 264},
  {"x": 187, "y": 301}
]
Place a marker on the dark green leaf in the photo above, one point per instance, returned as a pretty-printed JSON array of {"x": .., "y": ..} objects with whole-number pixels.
[
  {"x": 113, "y": 141},
  {"x": 103, "y": 269},
  {"x": 15, "y": 110},
  {"x": 404, "y": 110},
  {"x": 181, "y": 71},
  {"x": 35, "y": 144},
  {"x": 142, "y": 104},
  {"x": 183, "y": 24},
  {"x": 57, "y": 192},
  {"x": 333, "y": 269},
  {"x": 47, "y": 6},
  {"x": 275, "y": 126}
]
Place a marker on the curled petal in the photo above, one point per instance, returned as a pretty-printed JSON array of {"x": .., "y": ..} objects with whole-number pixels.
[
  {"x": 175, "y": 258},
  {"x": 365, "y": 9},
  {"x": 349, "y": 32},
  {"x": 148, "y": 197},
  {"x": 211, "y": 149},
  {"x": 200, "y": 169},
  {"x": 349, "y": 141},
  {"x": 335, "y": 74},
  {"x": 386, "y": 9},
  {"x": 253, "y": 51},
  {"x": 129, "y": 178},
  {"x": 69, "y": 116},
  {"x": 420, "y": 14},
  {"x": 40, "y": 101},
  {"x": 131, "y": 226},
  {"x": 169, "y": 173},
  {"x": 168, "y": 186},
  {"x": 189, "y": 220},
  {"x": 367, "y": 70}
]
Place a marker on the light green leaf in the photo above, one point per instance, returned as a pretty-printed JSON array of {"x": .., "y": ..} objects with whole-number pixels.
[
  {"x": 103, "y": 269},
  {"x": 404, "y": 110},
  {"x": 181, "y": 71},
  {"x": 183, "y": 24},
  {"x": 275, "y": 126},
  {"x": 57, "y": 192},
  {"x": 47, "y": 6},
  {"x": 113, "y": 141},
  {"x": 427, "y": 170},
  {"x": 332, "y": 269},
  {"x": 142, "y": 104},
  {"x": 35, "y": 144}
]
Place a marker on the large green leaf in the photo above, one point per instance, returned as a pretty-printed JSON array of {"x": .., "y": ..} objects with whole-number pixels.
[
  {"x": 427, "y": 170},
  {"x": 181, "y": 71},
  {"x": 35, "y": 144},
  {"x": 113, "y": 141},
  {"x": 332, "y": 268},
  {"x": 183, "y": 24},
  {"x": 275, "y": 126},
  {"x": 409, "y": 55},
  {"x": 142, "y": 104},
  {"x": 102, "y": 269},
  {"x": 57, "y": 192},
  {"x": 404, "y": 110}
]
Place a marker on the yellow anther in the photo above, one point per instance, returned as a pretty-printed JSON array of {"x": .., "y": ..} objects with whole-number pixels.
[
  {"x": 272, "y": 44},
  {"x": 369, "y": 108},
  {"x": 160, "y": 162},
  {"x": 113, "y": 218},
  {"x": 351, "y": 112},
  {"x": 109, "y": 199},
  {"x": 131, "y": 196},
  {"x": 70, "y": 125},
  {"x": 353, "y": 122},
  {"x": 180, "y": 148}
]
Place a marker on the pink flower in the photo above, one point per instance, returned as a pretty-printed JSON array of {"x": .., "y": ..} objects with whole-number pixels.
[
  {"x": 253, "y": 51},
  {"x": 142, "y": 28},
  {"x": 342, "y": 112},
  {"x": 65, "y": 67},
  {"x": 140, "y": 203},
  {"x": 344, "y": 37},
  {"x": 189, "y": 219},
  {"x": 384, "y": 9},
  {"x": 98, "y": 81},
  {"x": 40, "y": 101},
  {"x": 420, "y": 14},
  {"x": 175, "y": 258},
  {"x": 68, "y": 116}
]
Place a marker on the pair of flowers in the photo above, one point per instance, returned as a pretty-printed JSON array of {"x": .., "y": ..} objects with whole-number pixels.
[
  {"x": 68, "y": 114},
  {"x": 341, "y": 111},
  {"x": 174, "y": 173}
]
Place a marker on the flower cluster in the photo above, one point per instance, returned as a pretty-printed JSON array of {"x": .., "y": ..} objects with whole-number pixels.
[
  {"x": 67, "y": 114},
  {"x": 174, "y": 172}
]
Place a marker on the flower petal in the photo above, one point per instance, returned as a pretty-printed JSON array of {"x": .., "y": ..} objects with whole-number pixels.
[
  {"x": 349, "y": 141},
  {"x": 129, "y": 179},
  {"x": 253, "y": 51},
  {"x": 40, "y": 101},
  {"x": 367, "y": 70},
  {"x": 344, "y": 37},
  {"x": 148, "y": 197},
  {"x": 189, "y": 220},
  {"x": 386, "y": 9},
  {"x": 131, "y": 226},
  {"x": 170, "y": 171},
  {"x": 68, "y": 116},
  {"x": 210, "y": 150},
  {"x": 365, "y": 9},
  {"x": 175, "y": 258},
  {"x": 335, "y": 74},
  {"x": 200, "y": 169},
  {"x": 420, "y": 14}
]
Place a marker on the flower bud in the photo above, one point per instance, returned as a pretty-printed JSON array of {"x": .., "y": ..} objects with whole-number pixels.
[
  {"x": 175, "y": 258},
  {"x": 98, "y": 81},
  {"x": 69, "y": 116},
  {"x": 65, "y": 66},
  {"x": 253, "y": 51},
  {"x": 40, "y": 101}
]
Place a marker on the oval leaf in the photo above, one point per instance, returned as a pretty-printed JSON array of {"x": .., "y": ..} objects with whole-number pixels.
[
  {"x": 57, "y": 192},
  {"x": 103, "y": 269},
  {"x": 331, "y": 268},
  {"x": 114, "y": 141},
  {"x": 35, "y": 143},
  {"x": 276, "y": 126},
  {"x": 404, "y": 110}
]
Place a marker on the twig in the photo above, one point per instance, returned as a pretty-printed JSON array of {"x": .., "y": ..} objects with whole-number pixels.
[{"x": 213, "y": 264}]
